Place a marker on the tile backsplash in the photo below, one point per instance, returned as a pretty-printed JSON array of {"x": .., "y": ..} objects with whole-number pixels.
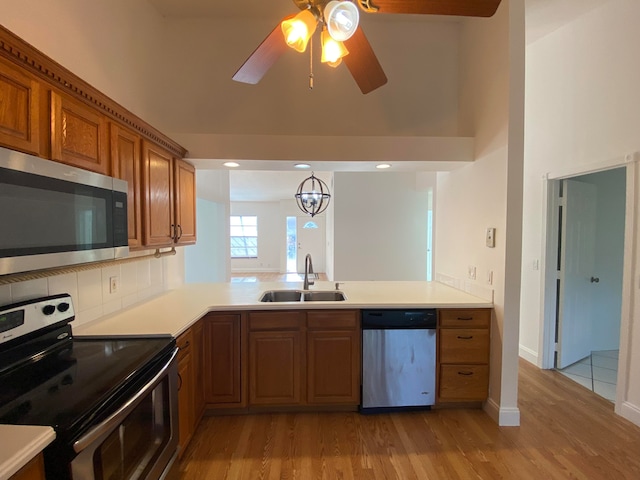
[{"x": 137, "y": 281}]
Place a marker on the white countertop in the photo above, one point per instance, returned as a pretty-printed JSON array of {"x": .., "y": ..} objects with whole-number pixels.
[
  {"x": 20, "y": 443},
  {"x": 176, "y": 310}
]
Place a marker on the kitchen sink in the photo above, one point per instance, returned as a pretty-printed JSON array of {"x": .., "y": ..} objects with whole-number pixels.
[
  {"x": 303, "y": 296},
  {"x": 328, "y": 296}
]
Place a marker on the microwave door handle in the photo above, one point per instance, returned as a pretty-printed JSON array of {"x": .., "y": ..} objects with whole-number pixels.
[{"x": 119, "y": 415}]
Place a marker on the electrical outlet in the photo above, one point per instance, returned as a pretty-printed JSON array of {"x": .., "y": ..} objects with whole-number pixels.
[
  {"x": 491, "y": 237},
  {"x": 472, "y": 272},
  {"x": 113, "y": 284}
]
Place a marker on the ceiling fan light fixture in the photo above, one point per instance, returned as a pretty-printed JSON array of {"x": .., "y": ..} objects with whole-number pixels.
[
  {"x": 341, "y": 18},
  {"x": 332, "y": 50},
  {"x": 298, "y": 30}
]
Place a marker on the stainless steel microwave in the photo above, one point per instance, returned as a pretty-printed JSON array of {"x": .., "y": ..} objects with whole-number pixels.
[{"x": 54, "y": 215}]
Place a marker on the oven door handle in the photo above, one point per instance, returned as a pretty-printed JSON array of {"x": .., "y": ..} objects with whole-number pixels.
[{"x": 116, "y": 418}]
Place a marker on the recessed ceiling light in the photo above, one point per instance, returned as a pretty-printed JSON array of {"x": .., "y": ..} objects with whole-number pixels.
[
  {"x": 382, "y": 166},
  {"x": 231, "y": 164},
  {"x": 302, "y": 165}
]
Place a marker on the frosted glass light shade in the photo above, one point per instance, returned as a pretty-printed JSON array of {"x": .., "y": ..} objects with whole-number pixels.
[
  {"x": 298, "y": 30},
  {"x": 341, "y": 18},
  {"x": 332, "y": 50}
]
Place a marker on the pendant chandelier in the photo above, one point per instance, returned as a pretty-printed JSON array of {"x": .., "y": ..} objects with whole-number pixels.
[{"x": 313, "y": 196}]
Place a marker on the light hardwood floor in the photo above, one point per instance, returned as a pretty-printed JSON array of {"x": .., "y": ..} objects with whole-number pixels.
[{"x": 566, "y": 432}]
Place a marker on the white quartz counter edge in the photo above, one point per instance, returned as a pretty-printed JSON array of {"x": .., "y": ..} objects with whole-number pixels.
[
  {"x": 175, "y": 311},
  {"x": 20, "y": 443}
]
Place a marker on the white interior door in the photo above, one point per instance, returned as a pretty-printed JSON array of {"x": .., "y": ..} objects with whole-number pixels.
[
  {"x": 311, "y": 240},
  {"x": 577, "y": 254}
]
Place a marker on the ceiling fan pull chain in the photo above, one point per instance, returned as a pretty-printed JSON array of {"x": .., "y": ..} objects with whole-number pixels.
[{"x": 311, "y": 63}]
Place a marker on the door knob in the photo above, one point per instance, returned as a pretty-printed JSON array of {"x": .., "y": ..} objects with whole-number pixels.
[{"x": 595, "y": 280}]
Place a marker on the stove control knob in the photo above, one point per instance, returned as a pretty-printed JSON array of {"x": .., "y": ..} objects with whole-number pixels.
[
  {"x": 49, "y": 309},
  {"x": 63, "y": 307}
]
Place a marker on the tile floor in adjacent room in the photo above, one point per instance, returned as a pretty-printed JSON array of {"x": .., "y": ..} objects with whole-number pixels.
[{"x": 598, "y": 372}]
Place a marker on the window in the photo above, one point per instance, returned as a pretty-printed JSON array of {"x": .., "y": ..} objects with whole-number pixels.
[{"x": 244, "y": 236}]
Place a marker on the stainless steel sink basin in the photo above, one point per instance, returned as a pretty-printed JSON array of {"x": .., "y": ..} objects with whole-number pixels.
[
  {"x": 281, "y": 296},
  {"x": 303, "y": 296},
  {"x": 328, "y": 296}
]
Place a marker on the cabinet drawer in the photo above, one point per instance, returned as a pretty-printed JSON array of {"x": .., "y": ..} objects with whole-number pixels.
[
  {"x": 281, "y": 320},
  {"x": 464, "y": 345},
  {"x": 463, "y": 383},
  {"x": 465, "y": 317},
  {"x": 328, "y": 319},
  {"x": 184, "y": 342}
]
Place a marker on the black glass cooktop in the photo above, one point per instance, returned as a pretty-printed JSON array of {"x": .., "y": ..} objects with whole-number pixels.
[{"x": 76, "y": 382}]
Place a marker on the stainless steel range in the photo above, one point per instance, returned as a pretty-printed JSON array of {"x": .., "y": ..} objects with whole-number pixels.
[{"x": 111, "y": 401}]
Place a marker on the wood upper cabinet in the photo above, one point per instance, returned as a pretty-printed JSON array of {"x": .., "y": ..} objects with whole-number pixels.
[
  {"x": 169, "y": 199},
  {"x": 126, "y": 165},
  {"x": 333, "y": 357},
  {"x": 19, "y": 110},
  {"x": 79, "y": 135},
  {"x": 222, "y": 360},
  {"x": 463, "y": 355},
  {"x": 185, "y": 202},
  {"x": 158, "y": 215}
]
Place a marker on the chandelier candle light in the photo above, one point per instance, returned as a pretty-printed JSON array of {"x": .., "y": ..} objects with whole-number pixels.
[{"x": 313, "y": 196}]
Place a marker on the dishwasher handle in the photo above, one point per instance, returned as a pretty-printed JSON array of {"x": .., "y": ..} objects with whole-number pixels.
[{"x": 389, "y": 319}]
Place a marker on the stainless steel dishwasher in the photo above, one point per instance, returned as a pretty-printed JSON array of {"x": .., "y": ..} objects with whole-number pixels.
[{"x": 398, "y": 359}]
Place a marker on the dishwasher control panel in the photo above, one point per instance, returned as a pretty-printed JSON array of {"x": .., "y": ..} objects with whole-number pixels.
[{"x": 399, "y": 318}]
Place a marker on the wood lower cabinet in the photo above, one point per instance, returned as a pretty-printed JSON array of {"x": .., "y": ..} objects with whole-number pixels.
[
  {"x": 304, "y": 358},
  {"x": 463, "y": 355},
  {"x": 333, "y": 357},
  {"x": 190, "y": 396},
  {"x": 222, "y": 372},
  {"x": 125, "y": 164},
  {"x": 275, "y": 358},
  {"x": 19, "y": 110},
  {"x": 79, "y": 135},
  {"x": 34, "y": 470}
]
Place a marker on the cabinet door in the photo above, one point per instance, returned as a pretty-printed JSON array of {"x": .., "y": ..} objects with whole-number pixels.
[
  {"x": 34, "y": 470},
  {"x": 185, "y": 202},
  {"x": 125, "y": 164},
  {"x": 19, "y": 110},
  {"x": 158, "y": 230},
  {"x": 185, "y": 401},
  {"x": 333, "y": 362},
  {"x": 222, "y": 360},
  {"x": 274, "y": 368},
  {"x": 78, "y": 135},
  {"x": 198, "y": 371}
]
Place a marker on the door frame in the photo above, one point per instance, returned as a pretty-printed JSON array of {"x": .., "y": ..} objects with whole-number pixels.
[{"x": 548, "y": 277}]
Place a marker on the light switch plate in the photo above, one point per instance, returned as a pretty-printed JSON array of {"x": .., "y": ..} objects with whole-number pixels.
[{"x": 491, "y": 237}]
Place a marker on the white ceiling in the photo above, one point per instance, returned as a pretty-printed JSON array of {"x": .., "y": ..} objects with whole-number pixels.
[{"x": 258, "y": 180}]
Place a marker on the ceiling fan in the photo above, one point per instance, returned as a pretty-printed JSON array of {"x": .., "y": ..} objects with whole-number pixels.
[{"x": 342, "y": 37}]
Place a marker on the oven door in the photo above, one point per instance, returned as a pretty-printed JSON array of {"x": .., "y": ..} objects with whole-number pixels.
[{"x": 139, "y": 440}]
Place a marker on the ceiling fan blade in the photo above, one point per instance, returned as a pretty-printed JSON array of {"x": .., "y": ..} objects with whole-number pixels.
[
  {"x": 363, "y": 63},
  {"x": 262, "y": 58},
  {"x": 470, "y": 8}
]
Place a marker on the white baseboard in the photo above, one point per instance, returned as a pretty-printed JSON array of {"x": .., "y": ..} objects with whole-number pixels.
[
  {"x": 630, "y": 412},
  {"x": 504, "y": 417},
  {"x": 529, "y": 355}
]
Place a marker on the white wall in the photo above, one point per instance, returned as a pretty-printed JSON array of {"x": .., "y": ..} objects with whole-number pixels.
[
  {"x": 380, "y": 226},
  {"x": 488, "y": 192},
  {"x": 582, "y": 114}
]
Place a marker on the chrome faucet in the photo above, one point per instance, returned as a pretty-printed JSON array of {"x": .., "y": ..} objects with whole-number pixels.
[{"x": 308, "y": 269}]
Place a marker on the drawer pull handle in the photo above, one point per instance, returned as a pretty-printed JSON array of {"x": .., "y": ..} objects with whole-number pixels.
[
  {"x": 466, "y": 374},
  {"x": 465, "y": 318},
  {"x": 179, "y": 382},
  {"x": 187, "y": 343},
  {"x": 467, "y": 337}
]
